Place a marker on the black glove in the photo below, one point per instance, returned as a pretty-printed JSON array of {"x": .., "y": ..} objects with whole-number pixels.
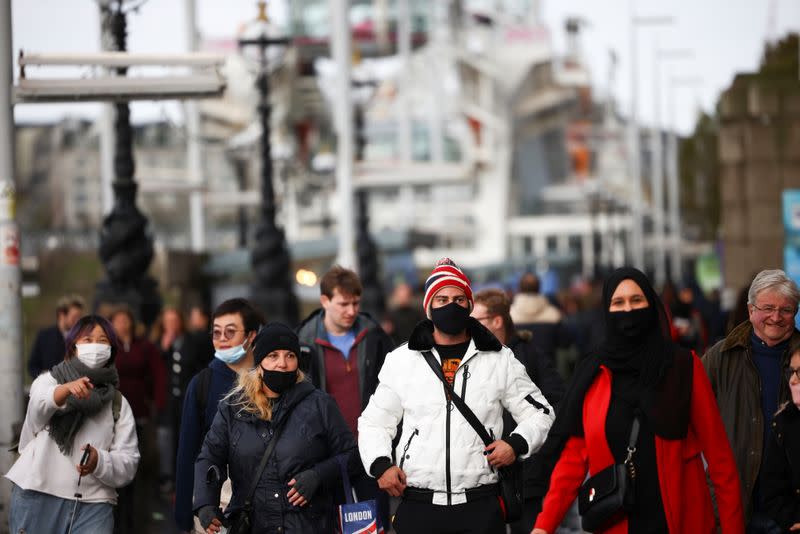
[
  {"x": 207, "y": 513},
  {"x": 306, "y": 483}
]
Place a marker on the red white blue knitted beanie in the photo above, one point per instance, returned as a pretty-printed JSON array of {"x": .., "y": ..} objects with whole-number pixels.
[{"x": 445, "y": 274}]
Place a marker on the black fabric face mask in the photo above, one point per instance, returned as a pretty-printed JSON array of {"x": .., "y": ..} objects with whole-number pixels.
[
  {"x": 451, "y": 319},
  {"x": 279, "y": 381},
  {"x": 632, "y": 325}
]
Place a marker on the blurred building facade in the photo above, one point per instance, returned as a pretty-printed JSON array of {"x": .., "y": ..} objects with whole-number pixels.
[
  {"x": 480, "y": 143},
  {"x": 759, "y": 132}
]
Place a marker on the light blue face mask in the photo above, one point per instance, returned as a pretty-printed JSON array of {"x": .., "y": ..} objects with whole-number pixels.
[{"x": 231, "y": 355}]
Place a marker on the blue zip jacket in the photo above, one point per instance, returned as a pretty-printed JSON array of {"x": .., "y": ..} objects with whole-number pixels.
[{"x": 192, "y": 433}]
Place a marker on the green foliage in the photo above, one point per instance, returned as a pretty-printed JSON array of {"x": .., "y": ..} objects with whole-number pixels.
[
  {"x": 699, "y": 176},
  {"x": 780, "y": 61},
  {"x": 61, "y": 272},
  {"x": 699, "y": 165}
]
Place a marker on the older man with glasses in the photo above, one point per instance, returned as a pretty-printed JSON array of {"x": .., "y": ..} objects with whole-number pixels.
[
  {"x": 745, "y": 370},
  {"x": 235, "y": 324}
]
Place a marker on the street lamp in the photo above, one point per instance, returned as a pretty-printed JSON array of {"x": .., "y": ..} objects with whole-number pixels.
[
  {"x": 637, "y": 239},
  {"x": 272, "y": 286},
  {"x": 348, "y": 90},
  {"x": 672, "y": 179},
  {"x": 126, "y": 245},
  {"x": 373, "y": 299},
  {"x": 658, "y": 167}
]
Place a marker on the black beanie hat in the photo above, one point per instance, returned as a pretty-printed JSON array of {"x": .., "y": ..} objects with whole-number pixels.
[{"x": 274, "y": 336}]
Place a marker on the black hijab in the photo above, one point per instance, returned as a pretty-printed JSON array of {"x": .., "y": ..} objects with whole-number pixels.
[
  {"x": 659, "y": 373},
  {"x": 637, "y": 343}
]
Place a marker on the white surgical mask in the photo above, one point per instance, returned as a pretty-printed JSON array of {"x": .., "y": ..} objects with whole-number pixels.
[
  {"x": 231, "y": 355},
  {"x": 93, "y": 355}
]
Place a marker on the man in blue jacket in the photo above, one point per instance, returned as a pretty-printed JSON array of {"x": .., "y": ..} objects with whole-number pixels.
[
  {"x": 235, "y": 323},
  {"x": 48, "y": 348}
]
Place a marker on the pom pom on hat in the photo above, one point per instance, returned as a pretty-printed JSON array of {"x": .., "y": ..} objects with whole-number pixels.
[{"x": 445, "y": 274}]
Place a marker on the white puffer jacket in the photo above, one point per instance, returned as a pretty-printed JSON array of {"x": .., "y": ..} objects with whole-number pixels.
[{"x": 438, "y": 449}]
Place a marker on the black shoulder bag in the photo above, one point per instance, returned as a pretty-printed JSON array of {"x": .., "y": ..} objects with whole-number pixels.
[
  {"x": 510, "y": 484},
  {"x": 240, "y": 520},
  {"x": 607, "y": 496}
]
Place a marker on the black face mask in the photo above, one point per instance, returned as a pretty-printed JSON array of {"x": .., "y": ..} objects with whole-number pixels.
[
  {"x": 451, "y": 319},
  {"x": 632, "y": 325},
  {"x": 279, "y": 381}
]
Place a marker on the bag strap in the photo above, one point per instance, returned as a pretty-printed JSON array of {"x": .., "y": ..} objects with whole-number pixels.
[
  {"x": 348, "y": 488},
  {"x": 465, "y": 410},
  {"x": 116, "y": 405},
  {"x": 276, "y": 434},
  {"x": 634, "y": 437}
]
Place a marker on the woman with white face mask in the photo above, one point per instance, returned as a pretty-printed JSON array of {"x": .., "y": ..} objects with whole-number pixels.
[{"x": 78, "y": 442}]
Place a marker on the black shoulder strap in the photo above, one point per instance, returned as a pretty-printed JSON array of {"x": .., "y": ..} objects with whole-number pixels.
[
  {"x": 465, "y": 410},
  {"x": 116, "y": 405},
  {"x": 634, "y": 437},
  {"x": 632, "y": 446},
  {"x": 267, "y": 453}
]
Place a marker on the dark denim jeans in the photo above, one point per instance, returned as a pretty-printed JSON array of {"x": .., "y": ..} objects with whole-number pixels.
[{"x": 761, "y": 524}]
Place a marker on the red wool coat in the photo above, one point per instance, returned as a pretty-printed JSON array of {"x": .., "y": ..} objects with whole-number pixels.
[{"x": 681, "y": 477}]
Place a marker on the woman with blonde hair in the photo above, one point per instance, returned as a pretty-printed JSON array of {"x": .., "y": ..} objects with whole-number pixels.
[{"x": 280, "y": 440}]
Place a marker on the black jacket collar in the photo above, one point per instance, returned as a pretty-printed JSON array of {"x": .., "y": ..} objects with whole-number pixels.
[
  {"x": 315, "y": 319},
  {"x": 421, "y": 337}
]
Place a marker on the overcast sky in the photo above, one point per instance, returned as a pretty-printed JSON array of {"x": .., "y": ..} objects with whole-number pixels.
[{"x": 724, "y": 36}]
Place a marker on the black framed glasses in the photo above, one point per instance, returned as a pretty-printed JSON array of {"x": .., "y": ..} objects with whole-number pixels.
[
  {"x": 789, "y": 371},
  {"x": 225, "y": 333}
]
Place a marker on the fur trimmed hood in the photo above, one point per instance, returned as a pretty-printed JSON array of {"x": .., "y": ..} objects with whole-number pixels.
[{"x": 421, "y": 337}]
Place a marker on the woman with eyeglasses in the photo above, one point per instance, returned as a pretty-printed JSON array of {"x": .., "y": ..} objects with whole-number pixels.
[
  {"x": 235, "y": 324},
  {"x": 279, "y": 439},
  {"x": 78, "y": 442},
  {"x": 781, "y": 480}
]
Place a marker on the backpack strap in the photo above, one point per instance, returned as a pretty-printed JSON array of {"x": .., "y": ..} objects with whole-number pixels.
[
  {"x": 201, "y": 395},
  {"x": 116, "y": 405},
  {"x": 276, "y": 434}
]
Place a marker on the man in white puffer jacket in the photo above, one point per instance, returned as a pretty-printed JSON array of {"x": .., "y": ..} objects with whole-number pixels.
[{"x": 440, "y": 466}]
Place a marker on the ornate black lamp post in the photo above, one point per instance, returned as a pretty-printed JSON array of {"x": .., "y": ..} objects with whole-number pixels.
[
  {"x": 272, "y": 286},
  {"x": 373, "y": 299},
  {"x": 126, "y": 246}
]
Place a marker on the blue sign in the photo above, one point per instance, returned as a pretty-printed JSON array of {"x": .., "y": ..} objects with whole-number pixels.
[
  {"x": 791, "y": 246},
  {"x": 359, "y": 518}
]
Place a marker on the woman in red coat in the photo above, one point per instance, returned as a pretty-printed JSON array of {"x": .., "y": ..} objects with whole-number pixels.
[{"x": 639, "y": 373}]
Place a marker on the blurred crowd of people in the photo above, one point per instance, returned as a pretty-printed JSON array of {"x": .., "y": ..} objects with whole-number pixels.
[{"x": 207, "y": 397}]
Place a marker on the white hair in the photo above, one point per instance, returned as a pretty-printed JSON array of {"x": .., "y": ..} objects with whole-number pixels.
[{"x": 776, "y": 280}]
